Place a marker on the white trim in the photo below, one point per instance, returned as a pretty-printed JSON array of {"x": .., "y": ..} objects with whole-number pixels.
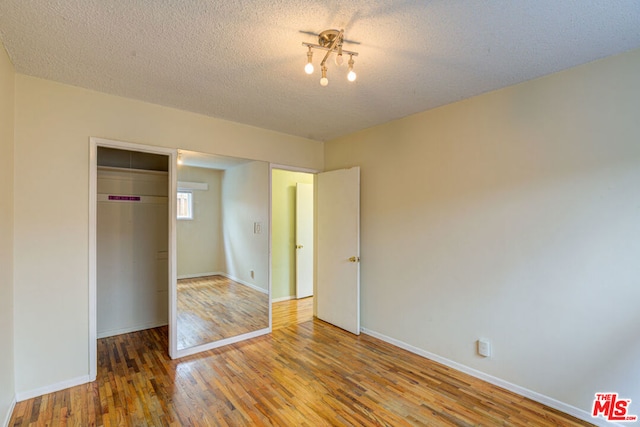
[
  {"x": 538, "y": 397},
  {"x": 113, "y": 332},
  {"x": 205, "y": 347},
  {"x": 7, "y": 418},
  {"x": 173, "y": 259},
  {"x": 62, "y": 385},
  {"x": 270, "y": 243},
  {"x": 197, "y": 275},
  {"x": 93, "y": 258},
  {"x": 94, "y": 143},
  {"x": 283, "y": 299},
  {"x": 294, "y": 169}
]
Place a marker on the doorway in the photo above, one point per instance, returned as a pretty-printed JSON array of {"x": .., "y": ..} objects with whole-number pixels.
[
  {"x": 124, "y": 180},
  {"x": 335, "y": 262},
  {"x": 292, "y": 246}
]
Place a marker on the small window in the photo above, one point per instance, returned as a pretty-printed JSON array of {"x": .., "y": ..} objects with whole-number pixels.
[{"x": 185, "y": 205}]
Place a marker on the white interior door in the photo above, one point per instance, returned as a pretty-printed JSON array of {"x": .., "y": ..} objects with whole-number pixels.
[
  {"x": 338, "y": 246},
  {"x": 304, "y": 240}
]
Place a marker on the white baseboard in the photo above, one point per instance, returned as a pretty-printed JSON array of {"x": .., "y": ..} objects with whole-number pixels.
[
  {"x": 283, "y": 298},
  {"x": 113, "y": 332},
  {"x": 242, "y": 282},
  {"x": 540, "y": 398},
  {"x": 197, "y": 275},
  {"x": 7, "y": 418},
  {"x": 30, "y": 394}
]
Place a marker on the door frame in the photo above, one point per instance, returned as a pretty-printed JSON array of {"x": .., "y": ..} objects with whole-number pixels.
[{"x": 171, "y": 153}]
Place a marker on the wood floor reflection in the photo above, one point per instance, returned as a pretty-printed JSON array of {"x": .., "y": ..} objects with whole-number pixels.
[
  {"x": 287, "y": 313},
  {"x": 213, "y": 307},
  {"x": 303, "y": 374}
]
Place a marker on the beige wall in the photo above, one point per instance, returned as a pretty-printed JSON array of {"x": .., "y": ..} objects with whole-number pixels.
[
  {"x": 7, "y": 92},
  {"x": 513, "y": 216},
  {"x": 283, "y": 231},
  {"x": 53, "y": 123},
  {"x": 245, "y": 201},
  {"x": 199, "y": 240}
]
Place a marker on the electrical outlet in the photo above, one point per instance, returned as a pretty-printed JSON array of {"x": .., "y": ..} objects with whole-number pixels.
[
  {"x": 484, "y": 348},
  {"x": 252, "y": 274}
]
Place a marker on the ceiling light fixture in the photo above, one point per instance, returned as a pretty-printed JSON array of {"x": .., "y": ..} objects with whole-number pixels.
[
  {"x": 331, "y": 41},
  {"x": 179, "y": 158}
]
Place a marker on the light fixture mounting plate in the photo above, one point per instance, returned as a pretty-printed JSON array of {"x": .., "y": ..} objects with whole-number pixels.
[{"x": 327, "y": 37}]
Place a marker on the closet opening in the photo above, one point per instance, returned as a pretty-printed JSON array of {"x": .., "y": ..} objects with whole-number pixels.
[{"x": 131, "y": 235}]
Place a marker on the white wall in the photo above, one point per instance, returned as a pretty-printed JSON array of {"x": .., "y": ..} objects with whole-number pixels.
[
  {"x": 245, "y": 201},
  {"x": 53, "y": 123},
  {"x": 132, "y": 251},
  {"x": 199, "y": 240},
  {"x": 7, "y": 92},
  {"x": 513, "y": 216}
]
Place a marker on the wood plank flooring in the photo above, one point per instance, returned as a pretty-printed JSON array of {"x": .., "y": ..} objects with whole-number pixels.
[
  {"x": 306, "y": 374},
  {"x": 287, "y": 313},
  {"x": 214, "y": 307}
]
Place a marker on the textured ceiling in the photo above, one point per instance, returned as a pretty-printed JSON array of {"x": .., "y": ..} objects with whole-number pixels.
[{"x": 243, "y": 60}]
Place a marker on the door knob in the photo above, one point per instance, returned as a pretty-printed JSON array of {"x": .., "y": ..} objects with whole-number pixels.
[
  {"x": 299, "y": 246},
  {"x": 354, "y": 259}
]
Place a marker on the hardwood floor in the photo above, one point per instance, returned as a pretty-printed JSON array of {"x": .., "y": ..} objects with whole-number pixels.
[
  {"x": 305, "y": 374},
  {"x": 214, "y": 307},
  {"x": 287, "y": 313}
]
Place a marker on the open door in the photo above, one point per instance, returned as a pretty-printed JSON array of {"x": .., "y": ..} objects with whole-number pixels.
[
  {"x": 304, "y": 240},
  {"x": 338, "y": 247}
]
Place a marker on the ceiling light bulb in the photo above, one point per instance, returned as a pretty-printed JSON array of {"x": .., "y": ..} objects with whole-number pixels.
[
  {"x": 324, "y": 80},
  {"x": 352, "y": 74},
  {"x": 308, "y": 68},
  {"x": 338, "y": 59}
]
